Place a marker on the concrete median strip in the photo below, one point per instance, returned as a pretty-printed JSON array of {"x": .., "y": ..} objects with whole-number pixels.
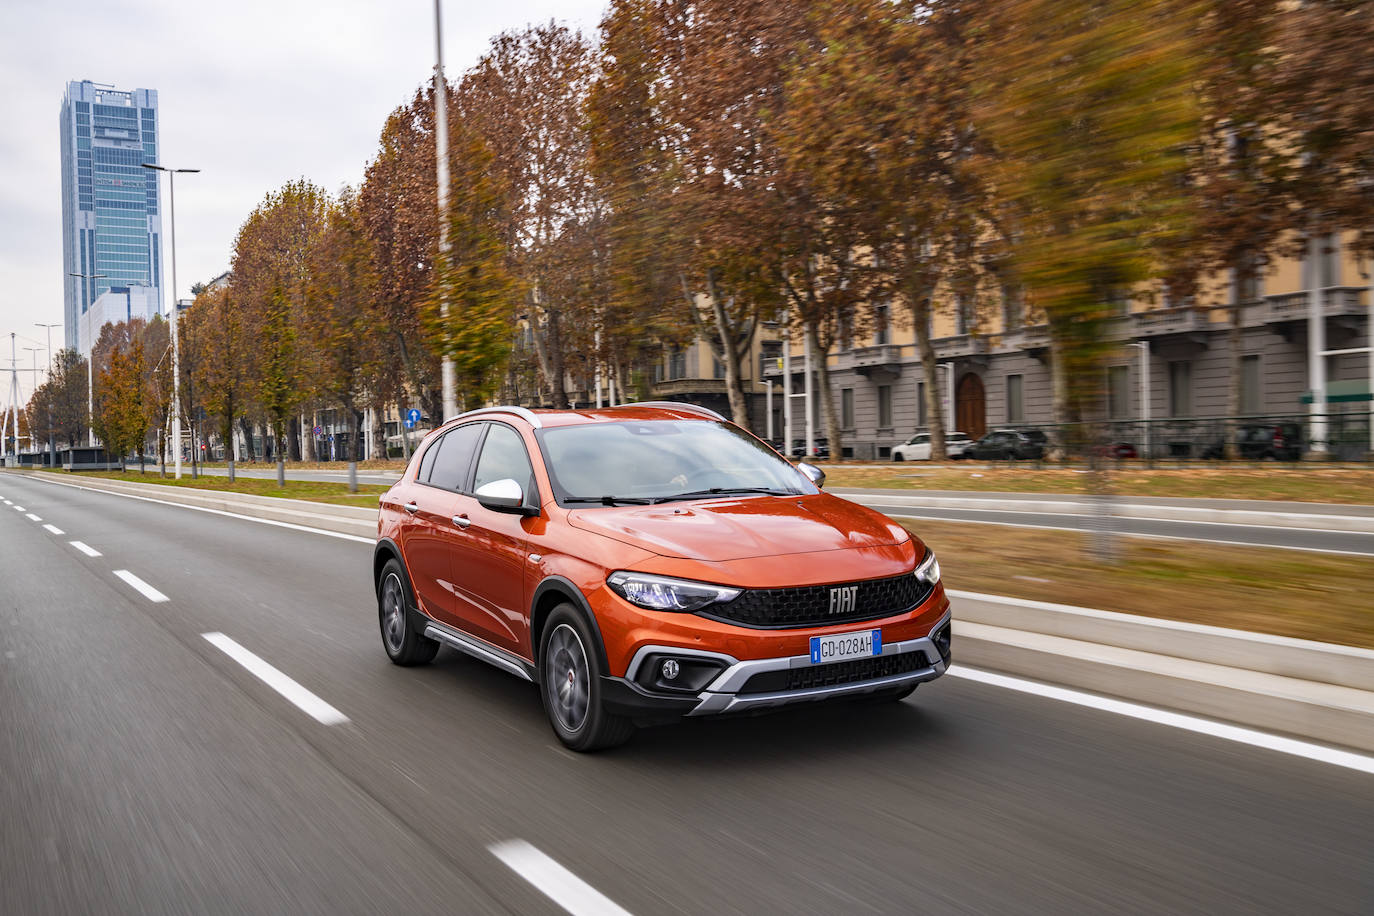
[{"x": 1308, "y": 689}]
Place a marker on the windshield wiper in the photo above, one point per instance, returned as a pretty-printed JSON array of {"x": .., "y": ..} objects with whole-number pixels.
[
  {"x": 725, "y": 491},
  {"x": 611, "y": 500}
]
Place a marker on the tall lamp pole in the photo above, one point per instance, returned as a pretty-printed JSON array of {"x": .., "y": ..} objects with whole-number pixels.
[
  {"x": 52, "y": 448},
  {"x": 34, "y": 351},
  {"x": 90, "y": 375},
  {"x": 176, "y": 350},
  {"x": 449, "y": 381}
]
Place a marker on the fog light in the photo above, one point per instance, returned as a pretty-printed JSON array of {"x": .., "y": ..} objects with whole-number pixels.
[{"x": 670, "y": 669}]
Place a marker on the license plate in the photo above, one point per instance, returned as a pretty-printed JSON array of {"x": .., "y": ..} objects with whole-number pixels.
[{"x": 841, "y": 646}]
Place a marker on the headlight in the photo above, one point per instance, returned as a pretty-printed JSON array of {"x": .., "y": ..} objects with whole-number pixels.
[
  {"x": 928, "y": 570},
  {"x": 661, "y": 593}
]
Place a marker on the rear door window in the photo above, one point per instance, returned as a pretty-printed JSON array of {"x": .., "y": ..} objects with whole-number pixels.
[{"x": 450, "y": 469}]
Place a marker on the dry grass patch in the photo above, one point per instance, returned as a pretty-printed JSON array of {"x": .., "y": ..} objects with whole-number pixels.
[{"x": 336, "y": 493}]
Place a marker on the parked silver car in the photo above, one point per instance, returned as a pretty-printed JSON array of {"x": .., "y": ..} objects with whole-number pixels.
[{"x": 917, "y": 448}]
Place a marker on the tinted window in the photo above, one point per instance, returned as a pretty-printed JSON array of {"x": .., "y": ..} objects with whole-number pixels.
[
  {"x": 427, "y": 459},
  {"x": 504, "y": 455},
  {"x": 450, "y": 469}
]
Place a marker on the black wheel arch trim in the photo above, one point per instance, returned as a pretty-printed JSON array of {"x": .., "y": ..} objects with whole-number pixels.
[{"x": 569, "y": 591}]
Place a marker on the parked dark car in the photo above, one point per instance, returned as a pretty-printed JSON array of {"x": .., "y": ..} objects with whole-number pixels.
[
  {"x": 1009, "y": 445},
  {"x": 1263, "y": 442},
  {"x": 821, "y": 448}
]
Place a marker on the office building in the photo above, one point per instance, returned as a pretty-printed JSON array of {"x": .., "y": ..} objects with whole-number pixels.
[{"x": 111, "y": 212}]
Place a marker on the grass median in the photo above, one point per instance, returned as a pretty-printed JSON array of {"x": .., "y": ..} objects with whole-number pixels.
[
  {"x": 1349, "y": 485},
  {"x": 335, "y": 493},
  {"x": 1284, "y": 592}
]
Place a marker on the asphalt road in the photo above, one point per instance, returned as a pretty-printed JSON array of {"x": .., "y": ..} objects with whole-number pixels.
[{"x": 145, "y": 770}]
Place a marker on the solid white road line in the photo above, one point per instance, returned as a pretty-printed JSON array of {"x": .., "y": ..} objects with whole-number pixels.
[
  {"x": 1308, "y": 750},
  {"x": 53, "y": 529},
  {"x": 554, "y": 881},
  {"x": 87, "y": 550},
  {"x": 143, "y": 588},
  {"x": 247, "y": 518},
  {"x": 303, "y": 699},
  {"x": 34, "y": 518}
]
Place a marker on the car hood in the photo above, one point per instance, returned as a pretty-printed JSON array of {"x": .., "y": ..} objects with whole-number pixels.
[{"x": 738, "y": 528}]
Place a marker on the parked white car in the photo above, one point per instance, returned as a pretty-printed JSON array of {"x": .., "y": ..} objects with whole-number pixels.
[{"x": 917, "y": 448}]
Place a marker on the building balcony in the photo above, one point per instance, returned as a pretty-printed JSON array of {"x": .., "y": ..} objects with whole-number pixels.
[
  {"x": 883, "y": 358},
  {"x": 688, "y": 386},
  {"x": 961, "y": 346},
  {"x": 1161, "y": 322},
  {"x": 1337, "y": 301}
]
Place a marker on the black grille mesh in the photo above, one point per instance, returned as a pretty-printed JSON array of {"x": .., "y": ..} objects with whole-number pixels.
[
  {"x": 809, "y": 605},
  {"x": 836, "y": 673}
]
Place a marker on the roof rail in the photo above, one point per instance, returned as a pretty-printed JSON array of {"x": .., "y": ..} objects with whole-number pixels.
[
  {"x": 527, "y": 415},
  {"x": 679, "y": 405}
]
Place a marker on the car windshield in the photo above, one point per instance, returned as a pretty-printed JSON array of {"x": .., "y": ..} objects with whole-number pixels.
[{"x": 661, "y": 460}]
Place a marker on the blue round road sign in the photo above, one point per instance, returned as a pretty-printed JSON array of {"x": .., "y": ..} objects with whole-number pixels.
[{"x": 412, "y": 417}]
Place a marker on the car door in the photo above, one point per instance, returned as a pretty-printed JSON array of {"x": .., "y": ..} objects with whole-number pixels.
[
  {"x": 434, "y": 502},
  {"x": 490, "y": 554},
  {"x": 919, "y": 450}
]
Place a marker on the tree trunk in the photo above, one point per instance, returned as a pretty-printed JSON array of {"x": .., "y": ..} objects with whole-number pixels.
[
  {"x": 352, "y": 448},
  {"x": 292, "y": 446},
  {"x": 555, "y": 345},
  {"x": 404, "y": 432},
  {"x": 308, "y": 438},
  {"x": 919, "y": 303},
  {"x": 734, "y": 387},
  {"x": 1059, "y": 385},
  {"x": 821, "y": 357},
  {"x": 227, "y": 431},
  {"x": 1230, "y": 447}
]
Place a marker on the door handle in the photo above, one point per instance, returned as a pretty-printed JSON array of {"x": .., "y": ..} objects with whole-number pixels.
[
  {"x": 462, "y": 521},
  {"x": 412, "y": 507}
]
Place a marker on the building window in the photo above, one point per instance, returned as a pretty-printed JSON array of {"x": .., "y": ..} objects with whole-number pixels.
[
  {"x": 1016, "y": 405},
  {"x": 770, "y": 356},
  {"x": 1251, "y": 400},
  {"x": 884, "y": 406},
  {"x": 1013, "y": 316},
  {"x": 963, "y": 315},
  {"x": 920, "y": 405},
  {"x": 882, "y": 326},
  {"x": 1180, "y": 388},
  {"x": 717, "y": 367},
  {"x": 847, "y": 408},
  {"x": 677, "y": 363},
  {"x": 1118, "y": 392}
]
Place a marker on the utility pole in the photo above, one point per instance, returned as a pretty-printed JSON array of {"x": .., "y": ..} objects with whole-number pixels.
[
  {"x": 34, "y": 351},
  {"x": 450, "y": 385},
  {"x": 176, "y": 350},
  {"x": 52, "y": 447},
  {"x": 90, "y": 375},
  {"x": 11, "y": 402}
]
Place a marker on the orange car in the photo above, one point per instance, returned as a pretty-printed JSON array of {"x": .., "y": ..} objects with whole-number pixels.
[{"x": 648, "y": 562}]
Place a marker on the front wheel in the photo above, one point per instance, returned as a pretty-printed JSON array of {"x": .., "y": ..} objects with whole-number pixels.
[
  {"x": 404, "y": 645},
  {"x": 570, "y": 683}
]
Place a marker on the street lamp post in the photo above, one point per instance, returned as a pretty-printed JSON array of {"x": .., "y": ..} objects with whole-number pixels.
[
  {"x": 90, "y": 375},
  {"x": 176, "y": 352},
  {"x": 446, "y": 372},
  {"x": 1144, "y": 347},
  {"x": 34, "y": 351},
  {"x": 52, "y": 448}
]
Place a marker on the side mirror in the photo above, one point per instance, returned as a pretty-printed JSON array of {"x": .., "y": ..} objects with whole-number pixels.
[
  {"x": 813, "y": 473},
  {"x": 504, "y": 495}
]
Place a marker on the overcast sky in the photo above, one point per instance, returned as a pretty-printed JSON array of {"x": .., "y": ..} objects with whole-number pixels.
[{"x": 252, "y": 92}]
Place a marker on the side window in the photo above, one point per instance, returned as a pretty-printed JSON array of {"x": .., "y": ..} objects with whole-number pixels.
[
  {"x": 504, "y": 455},
  {"x": 427, "y": 460},
  {"x": 450, "y": 469}
]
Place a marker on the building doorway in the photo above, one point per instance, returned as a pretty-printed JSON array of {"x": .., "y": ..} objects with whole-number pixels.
[{"x": 970, "y": 406}]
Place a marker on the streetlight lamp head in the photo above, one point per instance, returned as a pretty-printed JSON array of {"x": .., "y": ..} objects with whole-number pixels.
[{"x": 153, "y": 165}]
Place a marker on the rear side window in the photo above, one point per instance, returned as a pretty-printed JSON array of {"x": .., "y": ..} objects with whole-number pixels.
[
  {"x": 455, "y": 450},
  {"x": 504, "y": 455}
]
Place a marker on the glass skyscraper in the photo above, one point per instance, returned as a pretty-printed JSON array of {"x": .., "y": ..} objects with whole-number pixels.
[{"x": 111, "y": 218}]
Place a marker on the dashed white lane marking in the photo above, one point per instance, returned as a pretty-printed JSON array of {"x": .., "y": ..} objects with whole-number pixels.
[
  {"x": 8, "y": 503},
  {"x": 1317, "y": 752},
  {"x": 303, "y": 699},
  {"x": 554, "y": 881},
  {"x": 143, "y": 588},
  {"x": 53, "y": 529},
  {"x": 19, "y": 508},
  {"x": 34, "y": 518},
  {"x": 86, "y": 549}
]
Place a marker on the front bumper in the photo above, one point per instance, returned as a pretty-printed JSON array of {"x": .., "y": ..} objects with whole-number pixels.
[{"x": 730, "y": 691}]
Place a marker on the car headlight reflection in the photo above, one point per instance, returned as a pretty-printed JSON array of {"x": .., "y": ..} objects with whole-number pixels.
[
  {"x": 662, "y": 593},
  {"x": 928, "y": 570}
]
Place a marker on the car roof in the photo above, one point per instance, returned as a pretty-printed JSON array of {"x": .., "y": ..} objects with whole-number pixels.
[{"x": 547, "y": 418}]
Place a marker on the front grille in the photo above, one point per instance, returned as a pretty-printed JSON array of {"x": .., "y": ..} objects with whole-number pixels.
[
  {"x": 809, "y": 605},
  {"x": 836, "y": 673}
]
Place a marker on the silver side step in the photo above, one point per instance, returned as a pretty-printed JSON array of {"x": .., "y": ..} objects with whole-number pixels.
[{"x": 479, "y": 650}]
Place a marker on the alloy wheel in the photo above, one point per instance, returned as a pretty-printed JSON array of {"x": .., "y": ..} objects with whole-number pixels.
[{"x": 566, "y": 677}]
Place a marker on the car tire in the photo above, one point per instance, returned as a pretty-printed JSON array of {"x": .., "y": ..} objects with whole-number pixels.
[
  {"x": 896, "y": 456},
  {"x": 570, "y": 685},
  {"x": 404, "y": 644}
]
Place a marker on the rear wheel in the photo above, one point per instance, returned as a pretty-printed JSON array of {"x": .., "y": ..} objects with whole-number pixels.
[
  {"x": 896, "y": 456},
  {"x": 570, "y": 683},
  {"x": 404, "y": 645}
]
